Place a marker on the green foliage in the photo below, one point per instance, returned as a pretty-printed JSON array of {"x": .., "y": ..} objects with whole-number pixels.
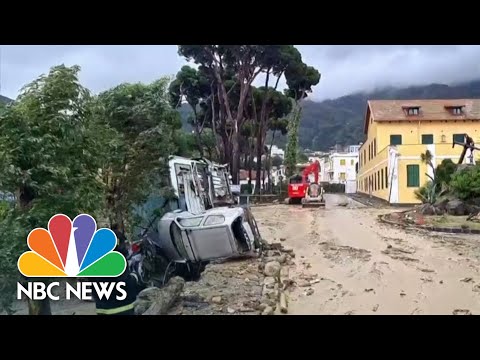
[
  {"x": 292, "y": 146},
  {"x": 427, "y": 193},
  {"x": 466, "y": 183},
  {"x": 246, "y": 189},
  {"x": 142, "y": 130},
  {"x": 302, "y": 158},
  {"x": 50, "y": 152},
  {"x": 277, "y": 161},
  {"x": 444, "y": 171}
]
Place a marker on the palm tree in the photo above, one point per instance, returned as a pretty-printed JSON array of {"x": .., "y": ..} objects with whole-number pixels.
[{"x": 427, "y": 158}]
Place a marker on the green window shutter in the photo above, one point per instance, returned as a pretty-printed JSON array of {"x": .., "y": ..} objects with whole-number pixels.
[
  {"x": 459, "y": 138},
  {"x": 413, "y": 175},
  {"x": 395, "y": 139},
  {"x": 427, "y": 139}
]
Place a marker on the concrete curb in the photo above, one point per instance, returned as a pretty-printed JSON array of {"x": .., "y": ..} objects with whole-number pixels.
[{"x": 448, "y": 230}]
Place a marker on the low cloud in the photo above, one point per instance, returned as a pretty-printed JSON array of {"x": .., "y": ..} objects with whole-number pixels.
[{"x": 345, "y": 68}]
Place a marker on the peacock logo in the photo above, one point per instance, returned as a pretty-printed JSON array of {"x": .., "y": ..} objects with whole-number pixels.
[{"x": 72, "y": 249}]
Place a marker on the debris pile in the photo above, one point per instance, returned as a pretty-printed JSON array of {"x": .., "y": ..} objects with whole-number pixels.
[
  {"x": 158, "y": 301},
  {"x": 252, "y": 286},
  {"x": 275, "y": 262}
]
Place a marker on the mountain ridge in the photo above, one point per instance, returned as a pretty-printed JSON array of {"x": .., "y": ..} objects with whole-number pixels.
[{"x": 340, "y": 121}]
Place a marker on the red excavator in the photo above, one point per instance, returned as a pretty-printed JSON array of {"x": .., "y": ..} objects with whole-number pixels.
[{"x": 301, "y": 190}]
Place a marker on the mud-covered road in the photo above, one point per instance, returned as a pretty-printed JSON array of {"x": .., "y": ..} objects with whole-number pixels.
[{"x": 349, "y": 263}]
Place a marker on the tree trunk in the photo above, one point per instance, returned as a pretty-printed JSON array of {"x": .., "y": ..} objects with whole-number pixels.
[
  {"x": 235, "y": 158},
  {"x": 259, "y": 148},
  {"x": 35, "y": 307},
  {"x": 197, "y": 133},
  {"x": 39, "y": 307}
]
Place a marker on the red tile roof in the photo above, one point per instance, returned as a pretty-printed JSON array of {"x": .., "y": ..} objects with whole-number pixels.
[{"x": 430, "y": 110}]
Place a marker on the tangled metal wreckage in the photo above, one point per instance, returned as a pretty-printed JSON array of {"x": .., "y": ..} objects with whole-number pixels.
[{"x": 204, "y": 222}]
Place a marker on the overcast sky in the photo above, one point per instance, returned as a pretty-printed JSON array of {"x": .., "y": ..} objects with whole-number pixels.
[{"x": 344, "y": 68}]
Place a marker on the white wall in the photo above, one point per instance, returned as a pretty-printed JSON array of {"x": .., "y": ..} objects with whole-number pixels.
[
  {"x": 335, "y": 168},
  {"x": 276, "y": 151}
]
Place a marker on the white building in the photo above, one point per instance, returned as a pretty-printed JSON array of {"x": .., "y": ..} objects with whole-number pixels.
[
  {"x": 341, "y": 166},
  {"x": 277, "y": 174},
  {"x": 276, "y": 151}
]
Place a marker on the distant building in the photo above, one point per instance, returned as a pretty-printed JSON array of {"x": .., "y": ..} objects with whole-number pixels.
[
  {"x": 341, "y": 167},
  {"x": 276, "y": 151},
  {"x": 399, "y": 131}
]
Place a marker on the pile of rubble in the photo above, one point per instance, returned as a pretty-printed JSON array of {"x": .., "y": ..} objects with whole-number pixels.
[{"x": 247, "y": 286}]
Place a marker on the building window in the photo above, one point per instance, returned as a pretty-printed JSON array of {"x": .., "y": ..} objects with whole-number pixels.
[
  {"x": 342, "y": 176},
  {"x": 375, "y": 181},
  {"x": 342, "y": 162},
  {"x": 378, "y": 179},
  {"x": 364, "y": 156},
  {"x": 456, "y": 110},
  {"x": 382, "y": 179},
  {"x": 459, "y": 138},
  {"x": 427, "y": 139},
  {"x": 352, "y": 162},
  {"x": 413, "y": 175},
  {"x": 369, "y": 152},
  {"x": 374, "y": 147},
  {"x": 395, "y": 139},
  {"x": 415, "y": 110},
  {"x": 386, "y": 177}
]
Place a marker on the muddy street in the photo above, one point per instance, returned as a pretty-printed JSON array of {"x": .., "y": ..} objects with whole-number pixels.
[{"x": 349, "y": 263}]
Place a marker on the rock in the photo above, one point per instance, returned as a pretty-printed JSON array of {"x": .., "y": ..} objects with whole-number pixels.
[
  {"x": 441, "y": 281},
  {"x": 289, "y": 250},
  {"x": 272, "y": 268},
  {"x": 269, "y": 280},
  {"x": 283, "y": 239},
  {"x": 268, "y": 311},
  {"x": 303, "y": 283},
  {"x": 375, "y": 308},
  {"x": 246, "y": 309},
  {"x": 462, "y": 312},
  {"x": 217, "y": 299},
  {"x": 467, "y": 279},
  {"x": 456, "y": 207},
  {"x": 262, "y": 307},
  {"x": 309, "y": 292},
  {"x": 283, "y": 303},
  {"x": 230, "y": 310},
  {"x": 282, "y": 259},
  {"x": 161, "y": 300},
  {"x": 247, "y": 280},
  {"x": 427, "y": 209},
  {"x": 402, "y": 293}
]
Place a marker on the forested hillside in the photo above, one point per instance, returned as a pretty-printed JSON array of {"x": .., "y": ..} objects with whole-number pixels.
[
  {"x": 4, "y": 100},
  {"x": 340, "y": 120}
]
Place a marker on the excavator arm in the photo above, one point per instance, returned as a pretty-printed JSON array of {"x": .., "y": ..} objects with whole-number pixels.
[{"x": 312, "y": 168}]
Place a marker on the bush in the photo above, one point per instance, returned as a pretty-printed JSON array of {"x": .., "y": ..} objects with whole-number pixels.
[
  {"x": 427, "y": 193},
  {"x": 246, "y": 189},
  {"x": 466, "y": 183},
  {"x": 444, "y": 172}
]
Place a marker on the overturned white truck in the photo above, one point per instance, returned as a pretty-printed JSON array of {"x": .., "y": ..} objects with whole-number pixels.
[{"x": 204, "y": 223}]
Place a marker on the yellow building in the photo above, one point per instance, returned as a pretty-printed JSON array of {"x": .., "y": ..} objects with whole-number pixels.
[{"x": 398, "y": 131}]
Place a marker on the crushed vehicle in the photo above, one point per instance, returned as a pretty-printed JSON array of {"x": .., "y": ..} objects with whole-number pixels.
[{"x": 203, "y": 223}]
